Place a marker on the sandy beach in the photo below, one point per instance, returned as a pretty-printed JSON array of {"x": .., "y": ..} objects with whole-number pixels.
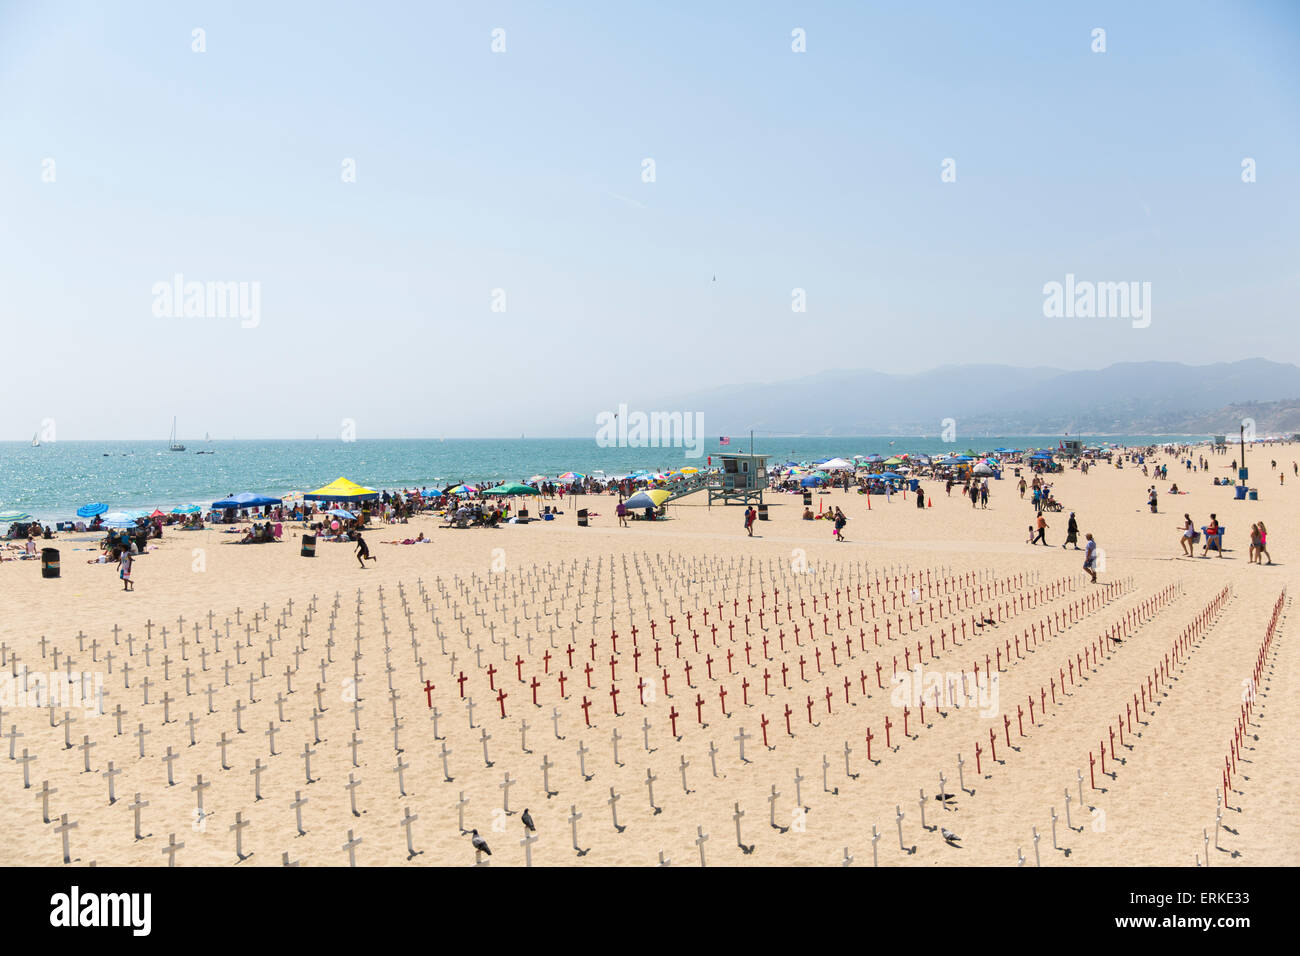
[{"x": 509, "y": 604}]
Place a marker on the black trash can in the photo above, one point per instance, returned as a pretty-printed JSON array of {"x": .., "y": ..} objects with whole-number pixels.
[
  {"x": 762, "y": 512},
  {"x": 582, "y": 517},
  {"x": 49, "y": 562},
  {"x": 807, "y": 499},
  {"x": 308, "y": 546}
]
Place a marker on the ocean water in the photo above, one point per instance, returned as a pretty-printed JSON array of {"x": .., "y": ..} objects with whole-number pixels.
[{"x": 53, "y": 480}]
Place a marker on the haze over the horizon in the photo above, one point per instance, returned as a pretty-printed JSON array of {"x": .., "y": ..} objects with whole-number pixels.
[{"x": 521, "y": 171}]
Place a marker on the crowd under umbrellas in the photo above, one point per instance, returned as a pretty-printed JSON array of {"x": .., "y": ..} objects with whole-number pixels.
[{"x": 385, "y": 724}]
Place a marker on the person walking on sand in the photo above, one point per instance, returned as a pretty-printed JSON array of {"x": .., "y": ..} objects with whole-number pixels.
[
  {"x": 749, "y": 520},
  {"x": 1090, "y": 557},
  {"x": 1213, "y": 537},
  {"x": 1189, "y": 536},
  {"x": 984, "y": 493},
  {"x": 363, "y": 551},
  {"x": 1041, "y": 535},
  {"x": 1254, "y": 545},
  {"x": 840, "y": 522},
  {"x": 1072, "y": 533},
  {"x": 621, "y": 511},
  {"x": 124, "y": 571},
  {"x": 1263, "y": 544},
  {"x": 1022, "y": 487}
]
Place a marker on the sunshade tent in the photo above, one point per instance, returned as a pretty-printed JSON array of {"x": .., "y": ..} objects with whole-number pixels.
[
  {"x": 651, "y": 498},
  {"x": 92, "y": 509},
  {"x": 511, "y": 488},
  {"x": 245, "y": 499},
  {"x": 340, "y": 489}
]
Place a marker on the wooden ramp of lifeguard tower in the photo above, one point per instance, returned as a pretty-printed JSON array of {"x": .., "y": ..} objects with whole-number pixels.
[{"x": 690, "y": 484}]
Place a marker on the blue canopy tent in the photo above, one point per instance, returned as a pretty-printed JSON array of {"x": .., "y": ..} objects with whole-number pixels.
[{"x": 245, "y": 499}]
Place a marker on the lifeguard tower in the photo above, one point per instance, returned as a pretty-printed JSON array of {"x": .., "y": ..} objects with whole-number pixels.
[{"x": 741, "y": 479}]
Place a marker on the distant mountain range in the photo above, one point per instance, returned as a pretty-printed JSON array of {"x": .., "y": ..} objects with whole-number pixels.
[{"x": 1128, "y": 398}]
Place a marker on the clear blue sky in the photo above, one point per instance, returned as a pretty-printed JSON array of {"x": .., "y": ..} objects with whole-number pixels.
[{"x": 522, "y": 171}]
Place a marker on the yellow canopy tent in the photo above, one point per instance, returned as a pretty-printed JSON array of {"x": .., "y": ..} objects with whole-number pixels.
[{"x": 341, "y": 489}]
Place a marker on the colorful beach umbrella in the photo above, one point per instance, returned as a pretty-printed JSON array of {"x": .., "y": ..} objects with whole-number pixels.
[
  {"x": 572, "y": 476},
  {"x": 14, "y": 517},
  {"x": 90, "y": 510},
  {"x": 187, "y": 509},
  {"x": 651, "y": 498},
  {"x": 462, "y": 490}
]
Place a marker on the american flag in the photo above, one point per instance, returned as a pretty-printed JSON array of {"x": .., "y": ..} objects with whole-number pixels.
[{"x": 724, "y": 440}]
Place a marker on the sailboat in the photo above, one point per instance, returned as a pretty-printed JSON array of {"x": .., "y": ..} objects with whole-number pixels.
[
  {"x": 36, "y": 442},
  {"x": 173, "y": 445}
]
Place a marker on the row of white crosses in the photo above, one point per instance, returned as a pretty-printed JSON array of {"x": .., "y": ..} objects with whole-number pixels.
[
  {"x": 157, "y": 655},
  {"x": 145, "y": 668}
]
